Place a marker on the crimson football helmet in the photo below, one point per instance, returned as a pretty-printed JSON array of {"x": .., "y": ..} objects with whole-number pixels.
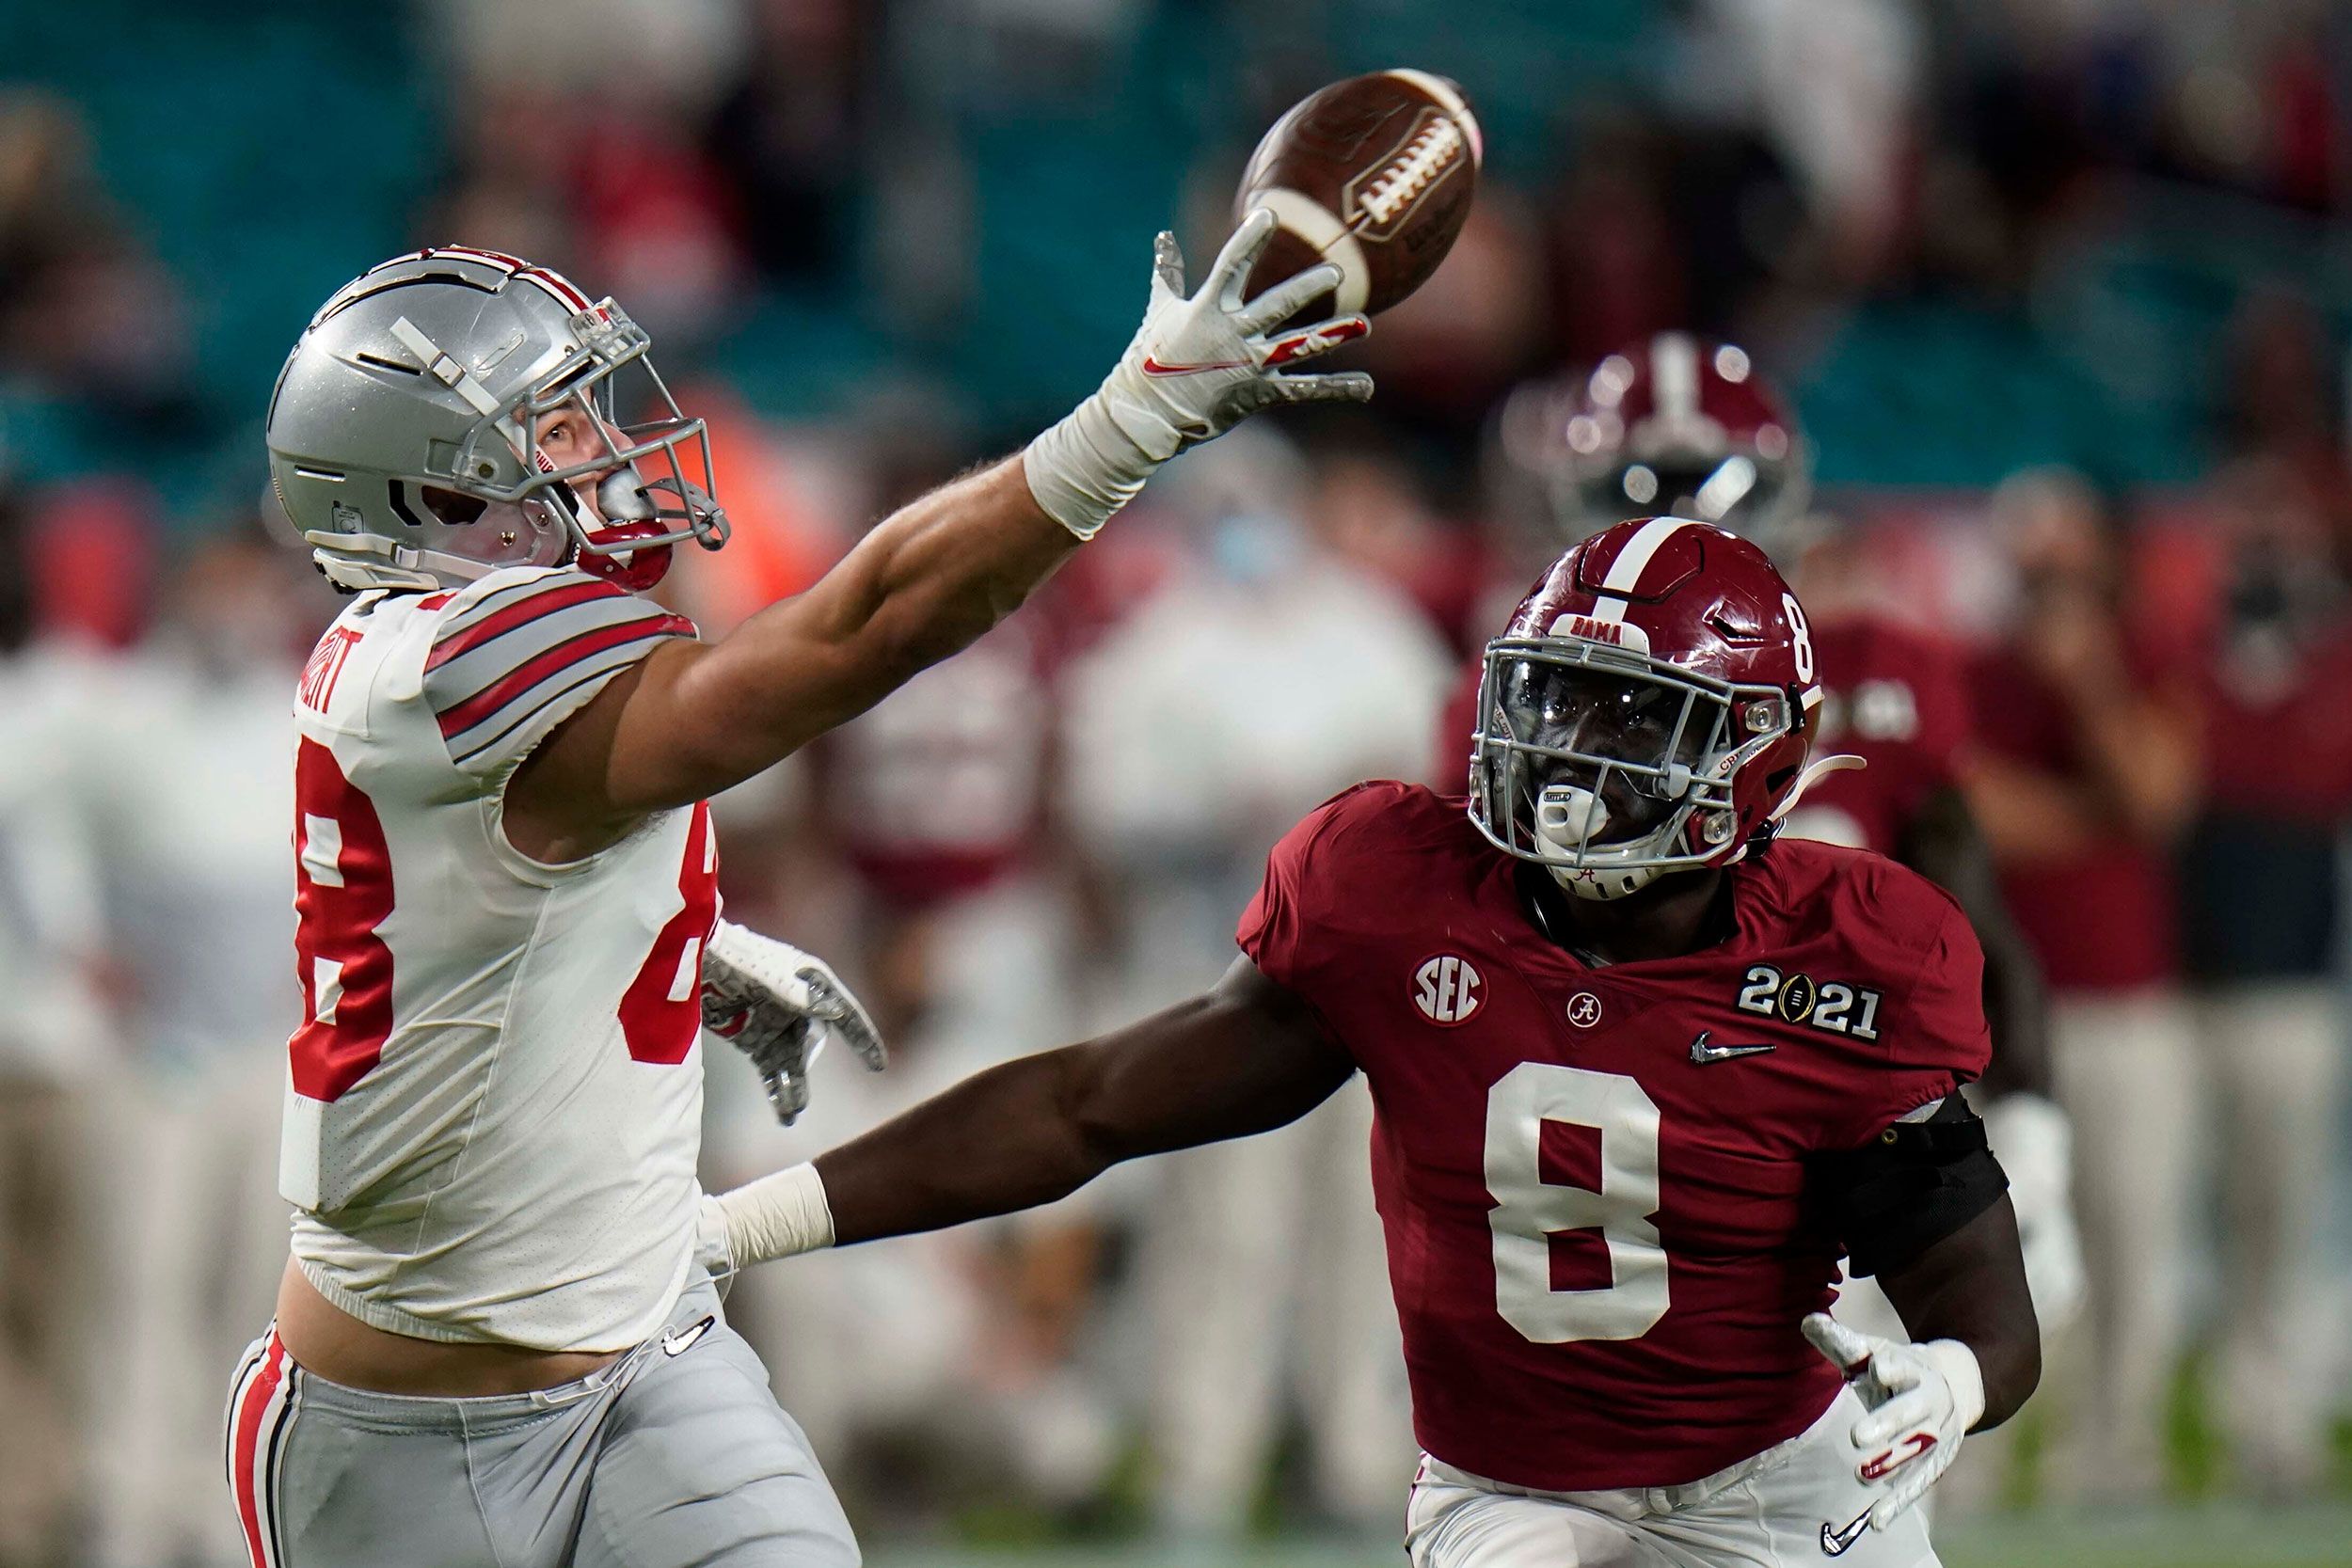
[
  {"x": 1679, "y": 424},
  {"x": 1648, "y": 709}
]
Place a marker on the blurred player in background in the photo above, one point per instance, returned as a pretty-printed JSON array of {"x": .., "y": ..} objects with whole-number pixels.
[
  {"x": 1640, "y": 1073},
  {"x": 172, "y": 811},
  {"x": 948, "y": 1371},
  {"x": 2262, "y": 901},
  {"x": 49, "y": 1061},
  {"x": 2086, "y": 786},
  {"x": 495, "y": 1340}
]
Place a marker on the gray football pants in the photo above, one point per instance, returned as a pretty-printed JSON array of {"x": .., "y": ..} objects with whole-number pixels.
[{"x": 674, "y": 1456}]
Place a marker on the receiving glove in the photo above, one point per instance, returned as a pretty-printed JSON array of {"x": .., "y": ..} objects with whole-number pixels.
[
  {"x": 1920, "y": 1398},
  {"x": 1201, "y": 364},
  {"x": 2035, "y": 1142},
  {"x": 778, "y": 1005}
]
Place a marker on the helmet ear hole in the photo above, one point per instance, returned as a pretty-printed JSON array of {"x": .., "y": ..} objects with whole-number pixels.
[{"x": 451, "y": 506}]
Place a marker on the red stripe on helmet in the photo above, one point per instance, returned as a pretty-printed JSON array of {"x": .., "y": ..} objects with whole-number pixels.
[
  {"x": 557, "y": 284},
  {"x": 494, "y": 257}
]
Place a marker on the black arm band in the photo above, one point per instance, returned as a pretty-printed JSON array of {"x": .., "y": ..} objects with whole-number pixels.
[{"x": 1908, "y": 1188}]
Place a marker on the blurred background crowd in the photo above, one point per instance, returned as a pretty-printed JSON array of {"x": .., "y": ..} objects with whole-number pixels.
[{"x": 2059, "y": 292}]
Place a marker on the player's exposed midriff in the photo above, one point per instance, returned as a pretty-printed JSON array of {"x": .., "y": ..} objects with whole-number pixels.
[{"x": 332, "y": 1344}]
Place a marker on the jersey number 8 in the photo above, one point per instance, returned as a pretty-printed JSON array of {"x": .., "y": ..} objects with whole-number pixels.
[
  {"x": 344, "y": 893},
  {"x": 1529, "y": 1209}
]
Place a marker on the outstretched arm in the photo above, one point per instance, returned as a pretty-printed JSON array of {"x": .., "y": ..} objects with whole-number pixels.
[
  {"x": 1244, "y": 1057},
  {"x": 692, "y": 718}
]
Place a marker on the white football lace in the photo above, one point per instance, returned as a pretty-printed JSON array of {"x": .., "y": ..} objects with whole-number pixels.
[{"x": 1430, "y": 154}]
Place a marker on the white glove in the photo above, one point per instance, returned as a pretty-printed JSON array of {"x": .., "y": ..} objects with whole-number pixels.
[
  {"x": 2035, "y": 1144},
  {"x": 1922, "y": 1399},
  {"x": 778, "y": 1004},
  {"x": 1200, "y": 365}
]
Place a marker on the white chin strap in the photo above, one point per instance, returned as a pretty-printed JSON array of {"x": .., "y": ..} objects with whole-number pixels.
[{"x": 1838, "y": 763}]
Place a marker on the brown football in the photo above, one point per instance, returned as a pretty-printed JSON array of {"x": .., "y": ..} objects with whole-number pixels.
[{"x": 1375, "y": 174}]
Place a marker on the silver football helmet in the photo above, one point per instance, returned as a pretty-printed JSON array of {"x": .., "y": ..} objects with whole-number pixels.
[{"x": 405, "y": 432}]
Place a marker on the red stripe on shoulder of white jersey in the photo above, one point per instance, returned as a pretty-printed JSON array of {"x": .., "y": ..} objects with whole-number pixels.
[{"x": 509, "y": 657}]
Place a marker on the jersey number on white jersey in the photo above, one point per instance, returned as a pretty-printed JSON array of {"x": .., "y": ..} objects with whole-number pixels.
[{"x": 344, "y": 893}]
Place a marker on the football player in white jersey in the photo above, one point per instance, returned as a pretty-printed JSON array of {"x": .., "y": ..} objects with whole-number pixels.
[{"x": 497, "y": 1341}]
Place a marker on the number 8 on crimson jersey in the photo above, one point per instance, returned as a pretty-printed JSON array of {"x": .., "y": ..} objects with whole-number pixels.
[{"x": 1593, "y": 1182}]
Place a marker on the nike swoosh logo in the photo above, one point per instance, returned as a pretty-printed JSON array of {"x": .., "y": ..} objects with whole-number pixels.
[
  {"x": 1154, "y": 366},
  {"x": 1837, "y": 1543},
  {"x": 1702, "y": 1053},
  {"x": 683, "y": 1341}
]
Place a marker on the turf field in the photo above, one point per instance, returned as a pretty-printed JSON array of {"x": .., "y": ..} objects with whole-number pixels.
[{"x": 2235, "y": 1535}]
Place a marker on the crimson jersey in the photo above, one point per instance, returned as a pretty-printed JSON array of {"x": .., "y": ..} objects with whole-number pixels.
[{"x": 1592, "y": 1180}]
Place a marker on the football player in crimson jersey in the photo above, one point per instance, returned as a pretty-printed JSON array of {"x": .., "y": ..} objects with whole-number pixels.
[
  {"x": 1693, "y": 426},
  {"x": 497, "y": 1341},
  {"x": 1640, "y": 1073}
]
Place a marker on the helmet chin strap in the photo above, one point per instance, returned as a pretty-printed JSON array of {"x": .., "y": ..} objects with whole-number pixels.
[
  {"x": 622, "y": 512},
  {"x": 1837, "y": 763}
]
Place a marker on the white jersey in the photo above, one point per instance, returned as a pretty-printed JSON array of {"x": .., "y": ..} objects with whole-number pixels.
[{"x": 493, "y": 1105}]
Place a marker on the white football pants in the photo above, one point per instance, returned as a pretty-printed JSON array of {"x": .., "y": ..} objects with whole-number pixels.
[{"x": 1796, "y": 1503}]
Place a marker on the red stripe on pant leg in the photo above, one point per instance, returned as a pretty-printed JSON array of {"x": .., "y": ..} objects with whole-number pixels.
[{"x": 257, "y": 1400}]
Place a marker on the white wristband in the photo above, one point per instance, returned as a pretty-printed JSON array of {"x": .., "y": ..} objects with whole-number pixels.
[
  {"x": 1092, "y": 463},
  {"x": 776, "y": 1216}
]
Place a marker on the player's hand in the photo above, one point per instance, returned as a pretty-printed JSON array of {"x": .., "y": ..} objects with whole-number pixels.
[
  {"x": 1921, "y": 1400},
  {"x": 2034, "y": 1141},
  {"x": 778, "y": 1005},
  {"x": 1202, "y": 361}
]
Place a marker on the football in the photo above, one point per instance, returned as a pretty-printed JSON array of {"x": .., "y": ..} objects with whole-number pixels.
[{"x": 1375, "y": 174}]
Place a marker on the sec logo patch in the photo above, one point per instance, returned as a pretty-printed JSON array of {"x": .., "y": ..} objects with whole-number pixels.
[{"x": 1446, "y": 990}]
